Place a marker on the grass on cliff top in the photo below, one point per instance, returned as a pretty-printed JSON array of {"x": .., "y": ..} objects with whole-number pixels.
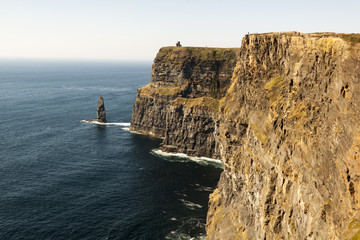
[
  {"x": 166, "y": 91},
  {"x": 203, "y": 53},
  {"x": 147, "y": 90},
  {"x": 205, "y": 103},
  {"x": 353, "y": 38}
]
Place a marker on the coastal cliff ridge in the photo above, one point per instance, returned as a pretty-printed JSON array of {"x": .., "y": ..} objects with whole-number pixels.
[{"x": 282, "y": 112}]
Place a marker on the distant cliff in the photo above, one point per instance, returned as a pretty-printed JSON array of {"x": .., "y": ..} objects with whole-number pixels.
[
  {"x": 181, "y": 102},
  {"x": 283, "y": 114}
]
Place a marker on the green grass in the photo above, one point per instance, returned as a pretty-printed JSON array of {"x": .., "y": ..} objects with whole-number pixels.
[
  {"x": 354, "y": 224},
  {"x": 259, "y": 134},
  {"x": 166, "y": 91},
  {"x": 203, "y": 53},
  {"x": 274, "y": 87},
  {"x": 356, "y": 236},
  {"x": 206, "y": 103},
  {"x": 353, "y": 38},
  {"x": 274, "y": 82}
]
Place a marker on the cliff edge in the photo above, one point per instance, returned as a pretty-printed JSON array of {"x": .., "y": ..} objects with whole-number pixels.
[
  {"x": 182, "y": 101},
  {"x": 282, "y": 113}
]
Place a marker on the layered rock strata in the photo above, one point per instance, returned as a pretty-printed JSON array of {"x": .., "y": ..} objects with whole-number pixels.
[
  {"x": 289, "y": 140},
  {"x": 181, "y": 102},
  {"x": 282, "y": 112}
]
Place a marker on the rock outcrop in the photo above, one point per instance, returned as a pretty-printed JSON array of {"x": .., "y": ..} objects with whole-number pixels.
[
  {"x": 181, "y": 102},
  {"x": 283, "y": 113},
  {"x": 101, "y": 113},
  {"x": 289, "y": 139}
]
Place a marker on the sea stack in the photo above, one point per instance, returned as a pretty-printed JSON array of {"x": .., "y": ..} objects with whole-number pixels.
[{"x": 101, "y": 113}]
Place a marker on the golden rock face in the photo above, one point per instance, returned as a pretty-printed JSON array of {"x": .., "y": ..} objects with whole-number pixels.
[
  {"x": 294, "y": 170},
  {"x": 283, "y": 114},
  {"x": 182, "y": 101}
]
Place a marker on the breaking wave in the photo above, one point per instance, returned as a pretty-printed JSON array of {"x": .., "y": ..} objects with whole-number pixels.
[
  {"x": 189, "y": 229},
  {"x": 190, "y": 205},
  {"x": 108, "y": 123},
  {"x": 203, "y": 188},
  {"x": 182, "y": 157}
]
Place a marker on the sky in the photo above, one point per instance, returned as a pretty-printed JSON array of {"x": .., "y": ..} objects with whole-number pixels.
[{"x": 134, "y": 30}]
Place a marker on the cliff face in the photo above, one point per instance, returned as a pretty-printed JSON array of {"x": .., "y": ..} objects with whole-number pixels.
[
  {"x": 282, "y": 112},
  {"x": 181, "y": 102},
  {"x": 289, "y": 140}
]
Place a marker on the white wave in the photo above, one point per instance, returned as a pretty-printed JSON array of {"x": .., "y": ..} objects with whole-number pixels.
[
  {"x": 183, "y": 156},
  {"x": 188, "y": 225},
  {"x": 126, "y": 129},
  {"x": 190, "y": 205},
  {"x": 181, "y": 236},
  {"x": 136, "y": 132},
  {"x": 205, "y": 189},
  {"x": 107, "y": 123}
]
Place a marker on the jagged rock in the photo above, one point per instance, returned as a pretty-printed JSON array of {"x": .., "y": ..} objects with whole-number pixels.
[
  {"x": 180, "y": 103},
  {"x": 290, "y": 138},
  {"x": 282, "y": 112},
  {"x": 101, "y": 113}
]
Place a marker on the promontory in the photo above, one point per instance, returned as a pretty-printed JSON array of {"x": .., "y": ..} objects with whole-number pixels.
[{"x": 282, "y": 112}]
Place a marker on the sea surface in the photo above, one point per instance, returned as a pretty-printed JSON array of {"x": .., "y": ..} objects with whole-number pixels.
[{"x": 63, "y": 178}]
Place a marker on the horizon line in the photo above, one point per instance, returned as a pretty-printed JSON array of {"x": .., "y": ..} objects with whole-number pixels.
[{"x": 40, "y": 59}]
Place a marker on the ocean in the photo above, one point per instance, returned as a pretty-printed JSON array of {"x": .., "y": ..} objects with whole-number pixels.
[{"x": 63, "y": 178}]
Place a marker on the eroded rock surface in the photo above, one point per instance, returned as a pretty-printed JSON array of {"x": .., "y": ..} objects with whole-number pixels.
[
  {"x": 181, "y": 102},
  {"x": 282, "y": 112},
  {"x": 101, "y": 113},
  {"x": 289, "y": 140}
]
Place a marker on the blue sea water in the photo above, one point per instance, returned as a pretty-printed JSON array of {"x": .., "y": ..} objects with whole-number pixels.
[{"x": 61, "y": 178}]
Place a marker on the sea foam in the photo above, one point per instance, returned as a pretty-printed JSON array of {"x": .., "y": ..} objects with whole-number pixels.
[
  {"x": 108, "y": 123},
  {"x": 187, "y": 230},
  {"x": 182, "y": 157},
  {"x": 190, "y": 205}
]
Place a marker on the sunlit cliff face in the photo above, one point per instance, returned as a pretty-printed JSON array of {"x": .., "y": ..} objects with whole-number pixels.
[
  {"x": 289, "y": 139},
  {"x": 282, "y": 112}
]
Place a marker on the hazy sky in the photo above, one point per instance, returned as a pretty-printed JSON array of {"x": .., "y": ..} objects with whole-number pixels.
[{"x": 136, "y": 29}]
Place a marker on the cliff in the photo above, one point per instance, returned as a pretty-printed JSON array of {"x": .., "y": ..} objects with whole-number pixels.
[
  {"x": 282, "y": 112},
  {"x": 181, "y": 102},
  {"x": 290, "y": 139}
]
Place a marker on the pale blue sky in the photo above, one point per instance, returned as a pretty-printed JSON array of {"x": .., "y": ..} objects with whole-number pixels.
[{"x": 136, "y": 29}]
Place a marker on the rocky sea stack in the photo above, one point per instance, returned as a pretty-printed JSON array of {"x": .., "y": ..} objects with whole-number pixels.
[
  {"x": 101, "y": 113},
  {"x": 283, "y": 114}
]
